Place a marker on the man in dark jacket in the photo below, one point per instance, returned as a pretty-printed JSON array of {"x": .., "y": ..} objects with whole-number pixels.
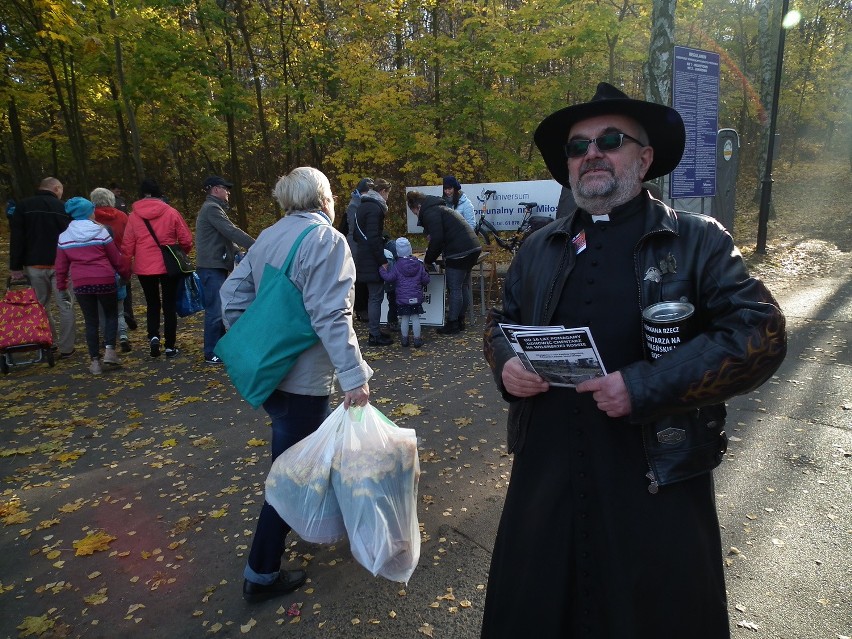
[
  {"x": 34, "y": 234},
  {"x": 370, "y": 254},
  {"x": 347, "y": 227},
  {"x": 215, "y": 240},
  {"x": 451, "y": 236},
  {"x": 609, "y": 527}
]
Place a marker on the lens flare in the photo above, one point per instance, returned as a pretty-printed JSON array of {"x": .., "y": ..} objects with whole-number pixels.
[{"x": 791, "y": 19}]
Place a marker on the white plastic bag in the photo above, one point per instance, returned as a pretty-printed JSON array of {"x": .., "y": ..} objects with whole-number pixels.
[
  {"x": 376, "y": 487},
  {"x": 299, "y": 486}
]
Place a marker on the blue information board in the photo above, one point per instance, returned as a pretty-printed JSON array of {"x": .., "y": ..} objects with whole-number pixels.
[{"x": 695, "y": 95}]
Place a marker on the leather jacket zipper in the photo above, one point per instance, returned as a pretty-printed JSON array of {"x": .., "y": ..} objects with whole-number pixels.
[{"x": 654, "y": 485}]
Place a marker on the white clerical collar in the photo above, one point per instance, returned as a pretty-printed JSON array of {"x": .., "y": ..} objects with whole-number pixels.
[{"x": 600, "y": 218}]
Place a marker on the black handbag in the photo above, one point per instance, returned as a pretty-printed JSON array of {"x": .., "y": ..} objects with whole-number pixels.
[{"x": 177, "y": 263}]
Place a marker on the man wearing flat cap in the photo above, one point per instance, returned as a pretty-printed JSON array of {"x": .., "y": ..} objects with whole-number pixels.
[
  {"x": 216, "y": 238},
  {"x": 609, "y": 529}
]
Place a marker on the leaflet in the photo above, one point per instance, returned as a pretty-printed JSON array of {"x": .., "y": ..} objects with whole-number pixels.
[{"x": 562, "y": 356}]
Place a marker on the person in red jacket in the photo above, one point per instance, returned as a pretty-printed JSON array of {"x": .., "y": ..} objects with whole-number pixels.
[
  {"x": 143, "y": 249},
  {"x": 115, "y": 221},
  {"x": 88, "y": 254}
]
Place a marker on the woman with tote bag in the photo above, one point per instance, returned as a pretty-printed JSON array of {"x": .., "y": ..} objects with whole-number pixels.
[{"x": 323, "y": 270}]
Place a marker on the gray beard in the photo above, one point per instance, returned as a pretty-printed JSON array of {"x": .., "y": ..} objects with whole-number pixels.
[{"x": 601, "y": 198}]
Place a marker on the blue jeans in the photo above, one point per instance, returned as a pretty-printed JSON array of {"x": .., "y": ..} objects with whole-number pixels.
[
  {"x": 211, "y": 281},
  {"x": 294, "y": 417}
]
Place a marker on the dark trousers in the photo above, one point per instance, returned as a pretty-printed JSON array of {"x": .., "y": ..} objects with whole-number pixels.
[
  {"x": 127, "y": 303},
  {"x": 152, "y": 286},
  {"x": 294, "y": 417},
  {"x": 458, "y": 286},
  {"x": 361, "y": 297},
  {"x": 89, "y": 307}
]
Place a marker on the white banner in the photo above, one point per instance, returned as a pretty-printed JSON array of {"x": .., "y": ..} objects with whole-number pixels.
[{"x": 503, "y": 208}]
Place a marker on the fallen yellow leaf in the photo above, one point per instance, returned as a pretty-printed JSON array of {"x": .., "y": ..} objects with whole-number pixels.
[
  {"x": 36, "y": 625},
  {"x": 92, "y": 543},
  {"x": 407, "y": 409}
]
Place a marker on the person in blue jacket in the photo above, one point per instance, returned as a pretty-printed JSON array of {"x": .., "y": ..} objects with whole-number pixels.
[{"x": 458, "y": 201}]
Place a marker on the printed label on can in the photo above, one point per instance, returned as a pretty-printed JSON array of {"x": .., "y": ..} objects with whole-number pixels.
[{"x": 666, "y": 325}]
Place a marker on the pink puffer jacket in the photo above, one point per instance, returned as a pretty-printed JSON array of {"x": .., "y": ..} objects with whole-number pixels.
[{"x": 169, "y": 226}]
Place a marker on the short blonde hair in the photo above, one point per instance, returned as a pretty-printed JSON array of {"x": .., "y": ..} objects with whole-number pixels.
[
  {"x": 303, "y": 189},
  {"x": 102, "y": 197}
]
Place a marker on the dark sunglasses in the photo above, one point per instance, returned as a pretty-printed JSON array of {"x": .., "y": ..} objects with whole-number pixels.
[{"x": 605, "y": 142}]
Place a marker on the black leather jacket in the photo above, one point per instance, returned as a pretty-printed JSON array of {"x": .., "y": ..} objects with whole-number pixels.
[{"x": 677, "y": 399}]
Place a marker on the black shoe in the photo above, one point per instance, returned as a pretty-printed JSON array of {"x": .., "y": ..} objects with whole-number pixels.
[
  {"x": 403, "y": 341},
  {"x": 450, "y": 328},
  {"x": 131, "y": 322},
  {"x": 172, "y": 352},
  {"x": 125, "y": 345},
  {"x": 288, "y": 581},
  {"x": 155, "y": 346},
  {"x": 381, "y": 340},
  {"x": 65, "y": 355},
  {"x": 462, "y": 325}
]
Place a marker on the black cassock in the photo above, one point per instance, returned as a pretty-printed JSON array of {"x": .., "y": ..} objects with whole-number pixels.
[{"x": 583, "y": 549}]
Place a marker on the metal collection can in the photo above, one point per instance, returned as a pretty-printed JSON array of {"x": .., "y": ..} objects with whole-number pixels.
[{"x": 666, "y": 325}]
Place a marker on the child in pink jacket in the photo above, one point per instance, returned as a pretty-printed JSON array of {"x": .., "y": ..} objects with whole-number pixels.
[{"x": 88, "y": 255}]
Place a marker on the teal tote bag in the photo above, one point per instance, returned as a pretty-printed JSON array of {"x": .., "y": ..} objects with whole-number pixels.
[{"x": 262, "y": 346}]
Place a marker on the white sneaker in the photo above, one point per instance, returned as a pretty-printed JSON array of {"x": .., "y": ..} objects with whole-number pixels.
[
  {"x": 111, "y": 357},
  {"x": 95, "y": 367}
]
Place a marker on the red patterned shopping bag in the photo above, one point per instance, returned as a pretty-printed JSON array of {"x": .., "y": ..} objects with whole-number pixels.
[{"x": 23, "y": 320}]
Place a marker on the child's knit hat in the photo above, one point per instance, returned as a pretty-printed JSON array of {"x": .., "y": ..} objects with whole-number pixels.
[
  {"x": 403, "y": 247},
  {"x": 79, "y": 208}
]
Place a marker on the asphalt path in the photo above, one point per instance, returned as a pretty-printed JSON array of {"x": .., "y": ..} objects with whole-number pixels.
[{"x": 129, "y": 500}]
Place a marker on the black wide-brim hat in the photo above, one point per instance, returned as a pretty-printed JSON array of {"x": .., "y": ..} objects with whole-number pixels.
[{"x": 664, "y": 126}]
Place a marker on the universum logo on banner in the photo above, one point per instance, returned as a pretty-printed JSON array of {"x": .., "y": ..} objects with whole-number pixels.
[{"x": 504, "y": 209}]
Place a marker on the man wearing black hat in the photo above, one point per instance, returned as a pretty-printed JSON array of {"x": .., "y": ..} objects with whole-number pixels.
[
  {"x": 609, "y": 528},
  {"x": 215, "y": 240}
]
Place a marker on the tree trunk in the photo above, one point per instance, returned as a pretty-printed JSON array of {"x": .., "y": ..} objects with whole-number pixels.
[
  {"x": 236, "y": 173},
  {"x": 23, "y": 183},
  {"x": 658, "y": 69},
  {"x": 436, "y": 69},
  {"x": 136, "y": 147},
  {"x": 258, "y": 91},
  {"x": 767, "y": 67},
  {"x": 77, "y": 153}
]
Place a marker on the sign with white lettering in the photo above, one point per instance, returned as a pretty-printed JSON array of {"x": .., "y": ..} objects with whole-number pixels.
[
  {"x": 502, "y": 207},
  {"x": 695, "y": 95}
]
